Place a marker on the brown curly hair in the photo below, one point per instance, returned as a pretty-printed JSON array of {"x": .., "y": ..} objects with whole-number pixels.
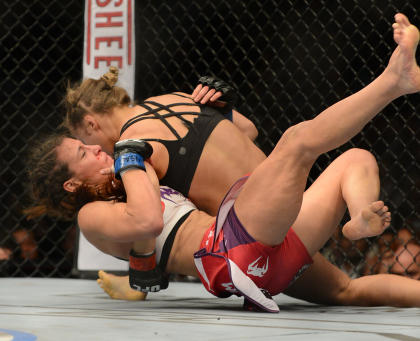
[
  {"x": 94, "y": 96},
  {"x": 46, "y": 178}
]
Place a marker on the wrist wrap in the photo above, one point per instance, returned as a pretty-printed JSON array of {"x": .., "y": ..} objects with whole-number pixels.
[
  {"x": 130, "y": 154},
  {"x": 127, "y": 161},
  {"x": 144, "y": 274},
  {"x": 141, "y": 262}
]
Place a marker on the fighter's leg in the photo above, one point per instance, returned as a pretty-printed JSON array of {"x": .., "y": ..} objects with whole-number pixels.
[
  {"x": 402, "y": 65},
  {"x": 350, "y": 181},
  {"x": 354, "y": 180},
  {"x": 370, "y": 221},
  {"x": 324, "y": 283},
  {"x": 118, "y": 287},
  {"x": 321, "y": 283},
  {"x": 270, "y": 201}
]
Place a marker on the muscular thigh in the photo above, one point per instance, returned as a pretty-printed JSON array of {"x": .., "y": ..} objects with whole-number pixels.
[
  {"x": 271, "y": 198},
  {"x": 323, "y": 205}
]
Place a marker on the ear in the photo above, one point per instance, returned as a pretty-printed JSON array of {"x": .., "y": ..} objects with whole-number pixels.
[
  {"x": 91, "y": 124},
  {"x": 71, "y": 185}
]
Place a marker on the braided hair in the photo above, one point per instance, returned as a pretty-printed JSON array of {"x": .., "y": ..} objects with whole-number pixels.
[{"x": 98, "y": 96}]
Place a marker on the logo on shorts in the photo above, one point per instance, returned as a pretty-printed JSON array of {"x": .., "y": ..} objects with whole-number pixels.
[
  {"x": 254, "y": 270},
  {"x": 229, "y": 287}
]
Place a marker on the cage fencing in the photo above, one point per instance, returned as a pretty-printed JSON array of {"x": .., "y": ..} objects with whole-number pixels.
[{"x": 288, "y": 59}]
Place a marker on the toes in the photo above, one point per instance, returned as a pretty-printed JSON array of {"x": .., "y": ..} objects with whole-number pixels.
[
  {"x": 386, "y": 220},
  {"x": 382, "y": 211},
  {"x": 402, "y": 19},
  {"x": 387, "y": 216},
  {"x": 397, "y": 28},
  {"x": 377, "y": 206}
]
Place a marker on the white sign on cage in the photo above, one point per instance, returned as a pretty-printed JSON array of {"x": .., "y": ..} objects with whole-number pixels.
[{"x": 109, "y": 40}]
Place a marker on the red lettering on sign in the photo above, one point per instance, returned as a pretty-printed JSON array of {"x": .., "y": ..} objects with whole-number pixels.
[
  {"x": 109, "y": 22},
  {"x": 103, "y": 3},
  {"x": 89, "y": 15},
  {"x": 108, "y": 61},
  {"x": 109, "y": 41},
  {"x": 129, "y": 31}
]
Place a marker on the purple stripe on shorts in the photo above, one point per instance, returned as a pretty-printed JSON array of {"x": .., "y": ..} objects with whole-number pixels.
[{"x": 234, "y": 232}]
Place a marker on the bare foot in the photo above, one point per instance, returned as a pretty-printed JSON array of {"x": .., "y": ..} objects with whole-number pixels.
[
  {"x": 402, "y": 63},
  {"x": 117, "y": 287},
  {"x": 371, "y": 221}
]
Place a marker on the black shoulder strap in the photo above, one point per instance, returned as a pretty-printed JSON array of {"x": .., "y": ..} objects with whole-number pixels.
[
  {"x": 175, "y": 113},
  {"x": 142, "y": 116},
  {"x": 161, "y": 117},
  {"x": 180, "y": 95},
  {"x": 169, "y": 242}
]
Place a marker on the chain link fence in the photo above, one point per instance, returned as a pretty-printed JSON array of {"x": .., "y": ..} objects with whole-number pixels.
[{"x": 289, "y": 61}]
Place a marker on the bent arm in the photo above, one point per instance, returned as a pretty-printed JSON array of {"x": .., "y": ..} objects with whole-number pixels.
[
  {"x": 139, "y": 219},
  {"x": 210, "y": 98}
]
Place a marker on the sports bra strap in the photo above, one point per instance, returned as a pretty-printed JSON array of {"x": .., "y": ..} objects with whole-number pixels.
[
  {"x": 180, "y": 95},
  {"x": 164, "y": 107},
  {"x": 162, "y": 117}
]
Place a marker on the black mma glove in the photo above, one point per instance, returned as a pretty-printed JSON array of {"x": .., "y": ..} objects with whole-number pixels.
[
  {"x": 130, "y": 154},
  {"x": 144, "y": 274},
  {"x": 229, "y": 94}
]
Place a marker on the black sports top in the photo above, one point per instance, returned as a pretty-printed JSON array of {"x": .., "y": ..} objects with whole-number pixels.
[{"x": 184, "y": 152}]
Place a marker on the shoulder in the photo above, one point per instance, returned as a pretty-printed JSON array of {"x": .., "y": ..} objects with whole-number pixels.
[
  {"x": 91, "y": 213},
  {"x": 171, "y": 98}
]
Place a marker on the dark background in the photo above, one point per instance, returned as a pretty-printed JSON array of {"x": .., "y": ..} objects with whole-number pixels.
[{"x": 289, "y": 60}]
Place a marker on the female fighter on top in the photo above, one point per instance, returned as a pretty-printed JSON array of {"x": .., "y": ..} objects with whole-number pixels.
[{"x": 285, "y": 170}]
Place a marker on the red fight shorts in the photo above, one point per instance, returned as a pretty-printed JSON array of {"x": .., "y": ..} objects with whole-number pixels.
[{"x": 230, "y": 261}]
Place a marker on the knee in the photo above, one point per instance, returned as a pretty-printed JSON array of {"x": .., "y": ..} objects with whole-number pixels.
[
  {"x": 354, "y": 294},
  {"x": 361, "y": 157},
  {"x": 345, "y": 295},
  {"x": 294, "y": 142},
  {"x": 339, "y": 293}
]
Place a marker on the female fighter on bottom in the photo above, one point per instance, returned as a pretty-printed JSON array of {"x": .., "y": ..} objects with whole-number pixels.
[{"x": 252, "y": 245}]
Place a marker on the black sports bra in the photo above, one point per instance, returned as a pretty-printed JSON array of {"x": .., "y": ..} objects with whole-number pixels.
[{"x": 184, "y": 152}]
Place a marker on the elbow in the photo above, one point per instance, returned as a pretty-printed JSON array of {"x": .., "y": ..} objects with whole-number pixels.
[
  {"x": 152, "y": 227},
  {"x": 245, "y": 125},
  {"x": 252, "y": 131},
  {"x": 155, "y": 226},
  {"x": 147, "y": 226}
]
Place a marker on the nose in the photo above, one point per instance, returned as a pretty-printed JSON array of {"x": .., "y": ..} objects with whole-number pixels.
[{"x": 96, "y": 149}]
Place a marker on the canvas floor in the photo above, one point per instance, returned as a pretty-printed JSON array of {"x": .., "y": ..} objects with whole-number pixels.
[{"x": 76, "y": 309}]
